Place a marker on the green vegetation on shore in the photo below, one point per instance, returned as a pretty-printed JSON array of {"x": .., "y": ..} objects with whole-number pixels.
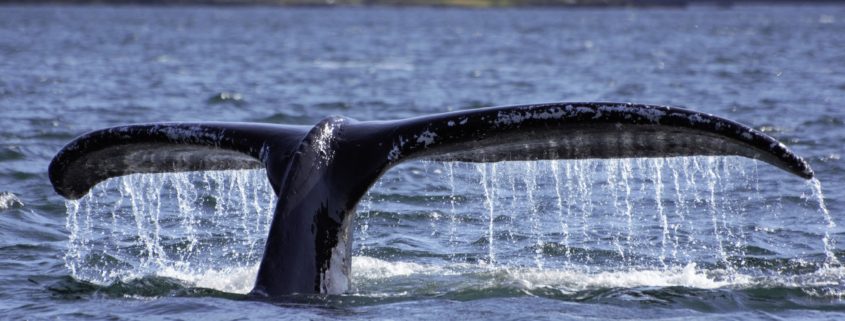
[
  {"x": 445, "y": 3},
  {"x": 435, "y": 3},
  {"x": 465, "y": 3}
]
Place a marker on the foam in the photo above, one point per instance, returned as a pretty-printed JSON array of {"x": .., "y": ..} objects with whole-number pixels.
[
  {"x": 368, "y": 270},
  {"x": 233, "y": 280},
  {"x": 242, "y": 279},
  {"x": 373, "y": 268},
  {"x": 686, "y": 276}
]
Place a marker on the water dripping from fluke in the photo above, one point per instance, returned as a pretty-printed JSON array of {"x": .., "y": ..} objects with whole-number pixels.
[
  {"x": 829, "y": 243},
  {"x": 206, "y": 229}
]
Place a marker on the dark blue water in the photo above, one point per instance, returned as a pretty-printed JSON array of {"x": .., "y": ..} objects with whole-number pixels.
[{"x": 696, "y": 237}]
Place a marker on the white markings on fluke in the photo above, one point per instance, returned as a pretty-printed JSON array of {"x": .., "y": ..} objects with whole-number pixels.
[
  {"x": 426, "y": 138},
  {"x": 396, "y": 151},
  {"x": 511, "y": 117},
  {"x": 335, "y": 280}
]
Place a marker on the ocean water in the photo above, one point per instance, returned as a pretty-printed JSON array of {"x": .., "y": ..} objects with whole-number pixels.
[{"x": 676, "y": 238}]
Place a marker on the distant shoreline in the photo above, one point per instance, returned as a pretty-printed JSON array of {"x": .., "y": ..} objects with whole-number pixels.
[{"x": 425, "y": 3}]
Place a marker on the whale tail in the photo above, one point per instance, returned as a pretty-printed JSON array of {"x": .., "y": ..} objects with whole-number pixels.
[{"x": 320, "y": 173}]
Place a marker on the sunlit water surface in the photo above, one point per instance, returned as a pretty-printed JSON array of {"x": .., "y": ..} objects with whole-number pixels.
[{"x": 699, "y": 237}]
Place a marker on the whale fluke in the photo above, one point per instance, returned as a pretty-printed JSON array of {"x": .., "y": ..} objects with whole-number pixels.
[{"x": 321, "y": 172}]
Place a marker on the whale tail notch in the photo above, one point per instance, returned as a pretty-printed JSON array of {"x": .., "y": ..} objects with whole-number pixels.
[{"x": 320, "y": 173}]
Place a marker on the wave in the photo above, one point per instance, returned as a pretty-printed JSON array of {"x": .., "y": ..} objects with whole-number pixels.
[{"x": 9, "y": 200}]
